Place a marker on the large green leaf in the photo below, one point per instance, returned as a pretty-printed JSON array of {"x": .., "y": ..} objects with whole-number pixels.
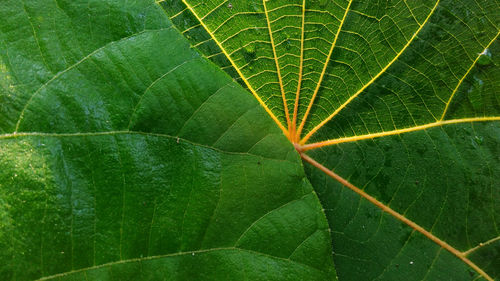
[
  {"x": 400, "y": 98},
  {"x": 124, "y": 152},
  {"x": 125, "y": 155}
]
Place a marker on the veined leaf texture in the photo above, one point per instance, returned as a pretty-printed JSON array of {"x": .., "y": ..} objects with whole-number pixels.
[{"x": 346, "y": 140}]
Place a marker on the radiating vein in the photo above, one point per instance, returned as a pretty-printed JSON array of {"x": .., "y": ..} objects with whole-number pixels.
[
  {"x": 302, "y": 123},
  {"x": 351, "y": 98},
  {"x": 273, "y": 46},
  {"x": 112, "y": 133},
  {"x": 134, "y": 260},
  {"x": 398, "y": 216},
  {"x": 293, "y": 133},
  {"x": 310, "y": 146}
]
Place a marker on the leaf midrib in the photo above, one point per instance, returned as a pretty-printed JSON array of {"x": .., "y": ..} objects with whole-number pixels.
[
  {"x": 113, "y": 133},
  {"x": 356, "y": 138},
  {"x": 278, "y": 69}
]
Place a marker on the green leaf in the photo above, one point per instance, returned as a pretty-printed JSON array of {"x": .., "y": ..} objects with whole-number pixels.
[
  {"x": 125, "y": 155},
  {"x": 393, "y": 106}
]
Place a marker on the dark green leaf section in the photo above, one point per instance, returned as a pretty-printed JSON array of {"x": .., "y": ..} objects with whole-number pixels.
[
  {"x": 372, "y": 245},
  {"x": 135, "y": 158},
  {"x": 73, "y": 202},
  {"x": 445, "y": 179}
]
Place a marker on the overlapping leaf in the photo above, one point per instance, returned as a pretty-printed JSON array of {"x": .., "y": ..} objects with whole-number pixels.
[{"x": 125, "y": 155}]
